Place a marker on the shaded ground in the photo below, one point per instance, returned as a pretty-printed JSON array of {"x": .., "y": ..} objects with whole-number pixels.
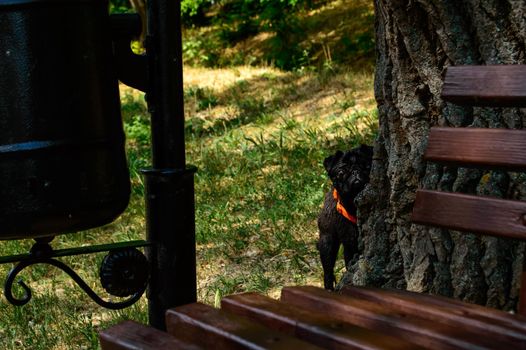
[{"x": 333, "y": 32}]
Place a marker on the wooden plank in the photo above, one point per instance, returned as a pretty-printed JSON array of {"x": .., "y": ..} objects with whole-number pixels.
[
  {"x": 216, "y": 329},
  {"x": 512, "y": 321},
  {"x": 463, "y": 212},
  {"x": 376, "y": 317},
  {"x": 316, "y": 328},
  {"x": 493, "y": 86},
  {"x": 448, "y": 313},
  {"x": 476, "y": 147},
  {"x": 131, "y": 335}
]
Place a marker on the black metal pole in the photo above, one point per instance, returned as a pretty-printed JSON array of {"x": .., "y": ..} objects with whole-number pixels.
[
  {"x": 169, "y": 183},
  {"x": 165, "y": 95}
]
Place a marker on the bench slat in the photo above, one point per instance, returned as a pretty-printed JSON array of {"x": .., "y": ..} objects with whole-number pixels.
[
  {"x": 446, "y": 312},
  {"x": 316, "y": 328},
  {"x": 492, "y": 86},
  {"x": 377, "y": 317},
  {"x": 131, "y": 335},
  {"x": 216, "y": 329},
  {"x": 463, "y": 212},
  {"x": 476, "y": 147}
]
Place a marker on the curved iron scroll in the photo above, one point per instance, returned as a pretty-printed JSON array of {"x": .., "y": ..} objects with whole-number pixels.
[{"x": 8, "y": 287}]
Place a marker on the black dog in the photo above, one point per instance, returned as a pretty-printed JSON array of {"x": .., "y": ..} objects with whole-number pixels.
[{"x": 349, "y": 173}]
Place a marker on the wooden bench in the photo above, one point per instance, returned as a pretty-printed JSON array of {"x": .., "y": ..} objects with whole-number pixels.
[
  {"x": 313, "y": 318},
  {"x": 368, "y": 318},
  {"x": 499, "y": 149}
]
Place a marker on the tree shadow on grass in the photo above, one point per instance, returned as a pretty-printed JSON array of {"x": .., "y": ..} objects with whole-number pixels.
[{"x": 263, "y": 98}]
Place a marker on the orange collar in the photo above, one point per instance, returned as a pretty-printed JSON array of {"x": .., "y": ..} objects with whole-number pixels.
[{"x": 341, "y": 209}]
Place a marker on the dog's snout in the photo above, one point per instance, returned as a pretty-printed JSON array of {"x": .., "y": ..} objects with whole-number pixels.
[{"x": 359, "y": 180}]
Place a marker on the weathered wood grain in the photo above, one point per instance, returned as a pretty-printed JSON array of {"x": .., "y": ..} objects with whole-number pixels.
[
  {"x": 463, "y": 212},
  {"x": 494, "y": 86},
  {"x": 477, "y": 147},
  {"x": 130, "y": 335},
  {"x": 317, "y": 328},
  {"x": 426, "y": 333},
  {"x": 454, "y": 314},
  {"x": 212, "y": 328}
]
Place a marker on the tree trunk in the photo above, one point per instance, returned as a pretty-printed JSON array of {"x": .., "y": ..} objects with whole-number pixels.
[
  {"x": 416, "y": 40},
  {"x": 140, "y": 7}
]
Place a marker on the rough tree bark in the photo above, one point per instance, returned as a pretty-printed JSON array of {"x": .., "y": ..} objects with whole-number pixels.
[{"x": 416, "y": 41}]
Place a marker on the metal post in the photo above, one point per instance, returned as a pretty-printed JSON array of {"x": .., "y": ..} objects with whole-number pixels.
[{"x": 169, "y": 184}]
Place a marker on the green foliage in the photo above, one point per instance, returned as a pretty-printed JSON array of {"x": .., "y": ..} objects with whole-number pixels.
[
  {"x": 280, "y": 18},
  {"x": 238, "y": 20},
  {"x": 193, "y": 11},
  {"x": 120, "y": 6},
  {"x": 201, "y": 50},
  {"x": 243, "y": 18},
  {"x": 215, "y": 28},
  {"x": 293, "y": 35},
  {"x": 191, "y": 8}
]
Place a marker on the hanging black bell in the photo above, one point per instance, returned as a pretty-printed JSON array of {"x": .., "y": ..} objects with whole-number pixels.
[{"x": 62, "y": 157}]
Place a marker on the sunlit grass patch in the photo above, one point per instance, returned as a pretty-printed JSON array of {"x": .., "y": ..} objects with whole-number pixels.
[{"x": 259, "y": 186}]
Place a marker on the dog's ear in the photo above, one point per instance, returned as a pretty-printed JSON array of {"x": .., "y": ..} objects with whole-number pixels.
[
  {"x": 367, "y": 151},
  {"x": 349, "y": 157},
  {"x": 329, "y": 162}
]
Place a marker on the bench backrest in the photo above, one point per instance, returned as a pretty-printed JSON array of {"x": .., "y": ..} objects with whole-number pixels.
[{"x": 504, "y": 149}]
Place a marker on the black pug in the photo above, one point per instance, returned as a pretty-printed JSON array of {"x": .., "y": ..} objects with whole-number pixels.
[{"x": 349, "y": 173}]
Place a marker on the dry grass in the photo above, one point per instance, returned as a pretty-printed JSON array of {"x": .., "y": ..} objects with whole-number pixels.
[{"x": 308, "y": 98}]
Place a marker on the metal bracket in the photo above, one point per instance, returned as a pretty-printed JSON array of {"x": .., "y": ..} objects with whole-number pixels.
[{"x": 124, "y": 271}]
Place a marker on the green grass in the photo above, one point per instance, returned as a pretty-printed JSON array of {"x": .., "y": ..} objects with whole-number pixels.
[
  {"x": 258, "y": 137},
  {"x": 258, "y": 191},
  {"x": 326, "y": 34}
]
